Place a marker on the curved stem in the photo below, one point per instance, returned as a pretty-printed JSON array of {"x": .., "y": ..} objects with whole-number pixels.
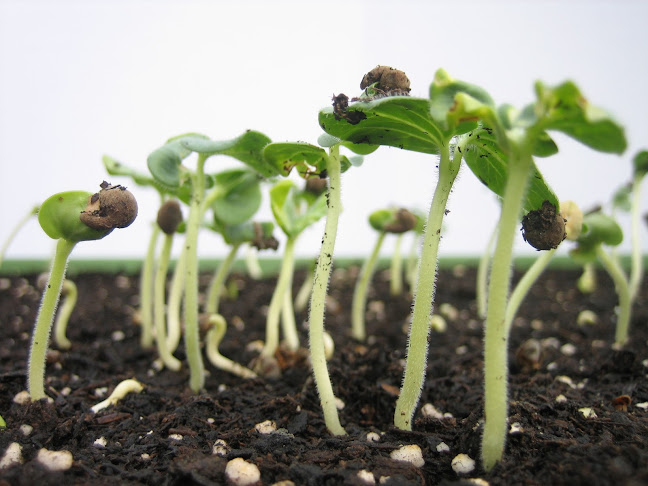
[
  {"x": 396, "y": 269},
  {"x": 146, "y": 290},
  {"x": 43, "y": 326},
  {"x": 60, "y": 325},
  {"x": 174, "y": 327},
  {"x": 612, "y": 267},
  {"x": 274, "y": 310},
  {"x": 214, "y": 337},
  {"x": 360, "y": 293},
  {"x": 525, "y": 283},
  {"x": 496, "y": 332},
  {"x": 15, "y": 230},
  {"x": 192, "y": 334},
  {"x": 318, "y": 297},
  {"x": 218, "y": 281},
  {"x": 417, "y": 344},
  {"x": 158, "y": 310}
]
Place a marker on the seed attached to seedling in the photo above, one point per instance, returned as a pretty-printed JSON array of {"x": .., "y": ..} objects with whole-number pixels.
[
  {"x": 169, "y": 216},
  {"x": 544, "y": 229},
  {"x": 389, "y": 80},
  {"x": 112, "y": 207}
]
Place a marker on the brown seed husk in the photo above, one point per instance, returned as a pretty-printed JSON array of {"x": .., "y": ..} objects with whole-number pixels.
[
  {"x": 169, "y": 216},
  {"x": 112, "y": 207},
  {"x": 388, "y": 79},
  {"x": 544, "y": 229}
]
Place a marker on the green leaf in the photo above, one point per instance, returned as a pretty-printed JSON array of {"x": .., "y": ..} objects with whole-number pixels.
[
  {"x": 598, "y": 229},
  {"x": 378, "y": 219},
  {"x": 165, "y": 162},
  {"x": 490, "y": 164},
  {"x": 397, "y": 121},
  {"x": 240, "y": 196},
  {"x": 116, "y": 168},
  {"x": 640, "y": 163},
  {"x": 246, "y": 232},
  {"x": 456, "y": 105},
  {"x": 294, "y": 210},
  {"x": 565, "y": 109},
  {"x": 622, "y": 198},
  {"x": 283, "y": 156},
  {"x": 59, "y": 217},
  {"x": 248, "y": 148}
]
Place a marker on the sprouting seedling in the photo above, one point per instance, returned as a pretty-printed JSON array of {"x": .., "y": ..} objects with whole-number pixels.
[
  {"x": 169, "y": 217},
  {"x": 71, "y": 217},
  {"x": 218, "y": 326},
  {"x": 600, "y": 229},
  {"x": 396, "y": 221},
  {"x": 511, "y": 139},
  {"x": 22, "y": 222},
  {"x": 411, "y": 270},
  {"x": 309, "y": 159},
  {"x": 166, "y": 166},
  {"x": 70, "y": 295},
  {"x": 294, "y": 210},
  {"x": 427, "y": 126},
  {"x": 116, "y": 168}
]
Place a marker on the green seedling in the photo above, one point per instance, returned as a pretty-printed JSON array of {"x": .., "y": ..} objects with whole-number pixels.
[
  {"x": 70, "y": 295},
  {"x": 421, "y": 125},
  {"x": 304, "y": 292},
  {"x": 191, "y": 186},
  {"x": 311, "y": 160},
  {"x": 169, "y": 218},
  {"x": 217, "y": 329},
  {"x": 294, "y": 210},
  {"x": 411, "y": 272},
  {"x": 600, "y": 229},
  {"x": 21, "y": 223},
  {"x": 501, "y": 155},
  {"x": 71, "y": 217},
  {"x": 115, "y": 168},
  {"x": 384, "y": 221}
]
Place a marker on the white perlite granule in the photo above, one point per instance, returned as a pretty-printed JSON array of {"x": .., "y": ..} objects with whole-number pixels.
[
  {"x": 55, "y": 460},
  {"x": 463, "y": 464},
  {"x": 408, "y": 453},
  {"x": 242, "y": 473}
]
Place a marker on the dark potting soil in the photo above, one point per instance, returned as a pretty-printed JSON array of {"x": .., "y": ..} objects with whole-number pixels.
[{"x": 165, "y": 434}]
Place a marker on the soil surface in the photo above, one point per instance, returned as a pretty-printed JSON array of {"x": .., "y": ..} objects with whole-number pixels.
[{"x": 165, "y": 434}]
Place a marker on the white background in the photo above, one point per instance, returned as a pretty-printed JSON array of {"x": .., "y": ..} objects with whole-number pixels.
[{"x": 82, "y": 78}]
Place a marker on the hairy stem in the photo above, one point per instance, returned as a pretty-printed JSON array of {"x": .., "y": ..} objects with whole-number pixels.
[
  {"x": 192, "y": 335},
  {"x": 277, "y": 301},
  {"x": 417, "y": 345},
  {"x": 43, "y": 326},
  {"x": 360, "y": 293},
  {"x": 615, "y": 271},
  {"x": 158, "y": 309},
  {"x": 318, "y": 297},
  {"x": 496, "y": 331}
]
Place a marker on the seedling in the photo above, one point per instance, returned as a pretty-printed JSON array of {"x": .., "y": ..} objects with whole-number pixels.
[
  {"x": 600, "y": 229},
  {"x": 397, "y": 221},
  {"x": 21, "y": 223},
  {"x": 294, "y": 211},
  {"x": 70, "y": 295},
  {"x": 218, "y": 326},
  {"x": 166, "y": 166},
  {"x": 121, "y": 390},
  {"x": 71, "y": 217},
  {"x": 169, "y": 218}
]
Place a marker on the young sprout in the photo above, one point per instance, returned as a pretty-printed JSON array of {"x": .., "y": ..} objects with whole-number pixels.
[
  {"x": 121, "y": 390},
  {"x": 166, "y": 166},
  {"x": 294, "y": 211},
  {"x": 309, "y": 160},
  {"x": 397, "y": 221},
  {"x": 70, "y": 294},
  {"x": 600, "y": 229},
  {"x": 71, "y": 217},
  {"x": 169, "y": 218},
  {"x": 218, "y": 326}
]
